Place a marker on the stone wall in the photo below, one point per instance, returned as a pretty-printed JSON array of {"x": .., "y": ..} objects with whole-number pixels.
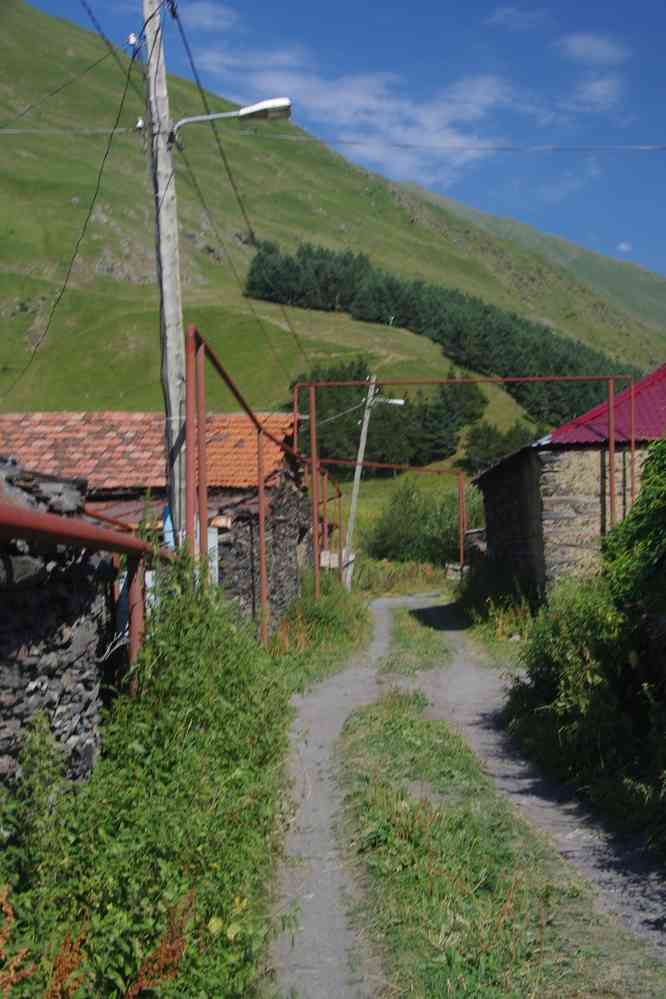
[
  {"x": 288, "y": 546},
  {"x": 512, "y": 504},
  {"x": 575, "y": 497},
  {"x": 54, "y": 622},
  {"x": 547, "y": 509}
]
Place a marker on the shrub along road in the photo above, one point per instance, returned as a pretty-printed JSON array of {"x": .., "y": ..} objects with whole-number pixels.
[{"x": 350, "y": 871}]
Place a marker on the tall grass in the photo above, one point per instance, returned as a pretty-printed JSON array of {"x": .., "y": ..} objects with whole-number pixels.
[{"x": 153, "y": 874}]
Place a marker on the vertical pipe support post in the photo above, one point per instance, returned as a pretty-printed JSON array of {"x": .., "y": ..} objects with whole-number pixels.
[
  {"x": 263, "y": 567},
  {"x": 136, "y": 612},
  {"x": 632, "y": 438},
  {"x": 461, "y": 520},
  {"x": 202, "y": 456},
  {"x": 611, "y": 451},
  {"x": 295, "y": 415},
  {"x": 324, "y": 486},
  {"x": 314, "y": 477},
  {"x": 339, "y": 519},
  {"x": 190, "y": 409}
]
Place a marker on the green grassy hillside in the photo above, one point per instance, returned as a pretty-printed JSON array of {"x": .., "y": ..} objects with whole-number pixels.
[
  {"x": 103, "y": 348},
  {"x": 631, "y": 289}
]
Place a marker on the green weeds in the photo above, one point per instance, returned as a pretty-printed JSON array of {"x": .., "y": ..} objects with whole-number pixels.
[
  {"x": 377, "y": 577},
  {"x": 153, "y": 874},
  {"x": 413, "y": 646},
  {"x": 463, "y": 899}
]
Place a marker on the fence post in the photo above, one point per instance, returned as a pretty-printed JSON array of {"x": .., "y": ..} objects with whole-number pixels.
[
  {"x": 324, "y": 486},
  {"x": 339, "y": 517},
  {"x": 295, "y": 415},
  {"x": 202, "y": 452},
  {"x": 461, "y": 520},
  {"x": 263, "y": 568},
  {"x": 190, "y": 407},
  {"x": 611, "y": 450},
  {"x": 632, "y": 439},
  {"x": 136, "y": 612},
  {"x": 314, "y": 473}
]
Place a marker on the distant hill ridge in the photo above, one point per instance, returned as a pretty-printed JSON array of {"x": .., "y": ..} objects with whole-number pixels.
[{"x": 103, "y": 348}]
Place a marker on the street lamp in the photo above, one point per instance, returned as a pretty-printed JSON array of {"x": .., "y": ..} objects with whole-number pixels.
[{"x": 276, "y": 107}]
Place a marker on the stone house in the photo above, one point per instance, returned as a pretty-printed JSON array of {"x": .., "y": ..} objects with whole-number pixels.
[
  {"x": 55, "y": 624},
  {"x": 547, "y": 505},
  {"x": 121, "y": 456}
]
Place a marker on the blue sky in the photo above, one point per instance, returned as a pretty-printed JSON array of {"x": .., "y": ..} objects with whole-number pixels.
[{"x": 384, "y": 75}]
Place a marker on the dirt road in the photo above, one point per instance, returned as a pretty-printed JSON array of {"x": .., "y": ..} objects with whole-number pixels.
[{"x": 324, "y": 954}]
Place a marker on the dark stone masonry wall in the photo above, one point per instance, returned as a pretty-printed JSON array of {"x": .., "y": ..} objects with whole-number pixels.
[
  {"x": 288, "y": 545},
  {"x": 54, "y": 625},
  {"x": 548, "y": 509}
]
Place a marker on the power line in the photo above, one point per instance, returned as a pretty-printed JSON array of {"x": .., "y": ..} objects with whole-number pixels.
[
  {"x": 465, "y": 147},
  {"x": 63, "y": 288},
  {"x": 67, "y": 131},
  {"x": 57, "y": 90},
  {"x": 109, "y": 44},
  {"x": 227, "y": 164},
  {"x": 211, "y": 221}
]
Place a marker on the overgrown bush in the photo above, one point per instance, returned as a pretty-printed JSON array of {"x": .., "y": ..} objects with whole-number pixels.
[
  {"x": 155, "y": 870},
  {"x": 420, "y": 526},
  {"x": 376, "y": 577},
  {"x": 592, "y": 705}
]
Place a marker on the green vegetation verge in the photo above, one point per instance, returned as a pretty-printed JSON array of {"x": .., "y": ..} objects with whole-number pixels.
[
  {"x": 152, "y": 876},
  {"x": 592, "y": 705},
  {"x": 413, "y": 646},
  {"x": 463, "y": 899}
]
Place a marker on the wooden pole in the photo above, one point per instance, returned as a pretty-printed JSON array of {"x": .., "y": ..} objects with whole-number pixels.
[
  {"x": 358, "y": 472},
  {"x": 461, "y": 520},
  {"x": 202, "y": 450},
  {"x": 264, "y": 610},
  {"x": 611, "y": 451},
  {"x": 314, "y": 474},
  {"x": 135, "y": 613},
  {"x": 168, "y": 262}
]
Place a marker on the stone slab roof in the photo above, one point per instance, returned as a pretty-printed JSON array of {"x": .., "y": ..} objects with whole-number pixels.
[{"x": 119, "y": 450}]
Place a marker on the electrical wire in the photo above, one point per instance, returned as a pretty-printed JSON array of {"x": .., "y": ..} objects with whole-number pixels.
[
  {"x": 337, "y": 416},
  {"x": 63, "y": 288},
  {"x": 234, "y": 270},
  {"x": 111, "y": 47},
  {"x": 52, "y": 93},
  {"x": 453, "y": 147},
  {"x": 227, "y": 165}
]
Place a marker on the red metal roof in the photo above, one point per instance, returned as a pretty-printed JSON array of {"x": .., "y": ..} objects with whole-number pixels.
[
  {"x": 117, "y": 450},
  {"x": 650, "y": 416}
]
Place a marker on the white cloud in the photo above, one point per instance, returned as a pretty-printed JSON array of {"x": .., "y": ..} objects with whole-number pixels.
[
  {"x": 517, "y": 18},
  {"x": 624, "y": 247},
  {"x": 206, "y": 15},
  {"x": 593, "y": 50},
  {"x": 246, "y": 61},
  {"x": 601, "y": 93}
]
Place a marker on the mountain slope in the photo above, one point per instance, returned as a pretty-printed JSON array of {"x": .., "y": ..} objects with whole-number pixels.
[
  {"x": 632, "y": 289},
  {"x": 103, "y": 351}
]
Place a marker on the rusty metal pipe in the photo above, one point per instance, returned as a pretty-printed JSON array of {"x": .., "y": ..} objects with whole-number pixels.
[
  {"x": 461, "y": 520},
  {"x": 295, "y": 416},
  {"x": 312, "y": 402},
  {"x": 632, "y": 438},
  {"x": 202, "y": 454},
  {"x": 136, "y": 607},
  {"x": 491, "y": 380},
  {"x": 324, "y": 487},
  {"x": 264, "y": 606},
  {"x": 17, "y": 522},
  {"x": 611, "y": 451},
  {"x": 190, "y": 409}
]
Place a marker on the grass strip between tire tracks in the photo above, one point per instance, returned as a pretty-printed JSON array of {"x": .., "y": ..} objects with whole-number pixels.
[{"x": 463, "y": 898}]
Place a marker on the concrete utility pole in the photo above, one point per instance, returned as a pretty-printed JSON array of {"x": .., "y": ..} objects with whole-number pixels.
[
  {"x": 168, "y": 262},
  {"x": 358, "y": 472}
]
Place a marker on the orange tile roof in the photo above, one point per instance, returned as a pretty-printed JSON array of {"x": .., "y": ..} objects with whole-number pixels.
[{"x": 117, "y": 450}]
